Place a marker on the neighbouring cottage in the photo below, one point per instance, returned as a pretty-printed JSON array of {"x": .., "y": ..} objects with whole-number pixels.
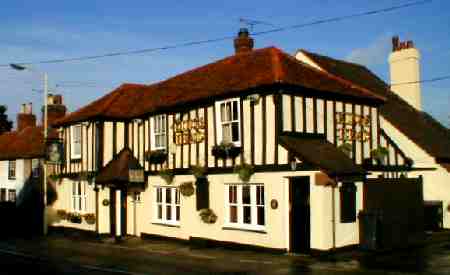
[
  {"x": 420, "y": 136},
  {"x": 22, "y": 151},
  {"x": 258, "y": 149}
]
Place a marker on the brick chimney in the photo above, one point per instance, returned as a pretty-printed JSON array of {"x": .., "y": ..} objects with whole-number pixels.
[
  {"x": 405, "y": 71},
  {"x": 26, "y": 118},
  {"x": 243, "y": 43},
  {"x": 55, "y": 109}
]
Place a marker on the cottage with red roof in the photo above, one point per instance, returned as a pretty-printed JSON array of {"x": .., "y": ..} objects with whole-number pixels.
[{"x": 258, "y": 148}]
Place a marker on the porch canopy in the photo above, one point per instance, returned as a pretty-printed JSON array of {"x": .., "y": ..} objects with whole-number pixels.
[
  {"x": 319, "y": 152},
  {"x": 123, "y": 171}
]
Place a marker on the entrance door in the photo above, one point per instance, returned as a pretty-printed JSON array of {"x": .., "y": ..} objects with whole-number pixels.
[{"x": 300, "y": 226}]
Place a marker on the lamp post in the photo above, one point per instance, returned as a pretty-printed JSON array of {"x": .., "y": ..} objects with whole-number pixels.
[{"x": 19, "y": 67}]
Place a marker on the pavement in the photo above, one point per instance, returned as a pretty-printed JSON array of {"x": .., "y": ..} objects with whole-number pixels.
[{"x": 74, "y": 254}]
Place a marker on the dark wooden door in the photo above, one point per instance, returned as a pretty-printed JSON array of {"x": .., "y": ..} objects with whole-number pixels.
[{"x": 300, "y": 225}]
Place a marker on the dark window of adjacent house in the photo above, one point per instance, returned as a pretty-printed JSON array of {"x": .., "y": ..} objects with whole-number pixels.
[
  {"x": 12, "y": 195},
  {"x": 348, "y": 202},
  {"x": 202, "y": 193},
  {"x": 12, "y": 170},
  {"x": 2, "y": 194}
]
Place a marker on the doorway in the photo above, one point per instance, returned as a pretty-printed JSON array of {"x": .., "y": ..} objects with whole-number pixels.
[{"x": 300, "y": 221}]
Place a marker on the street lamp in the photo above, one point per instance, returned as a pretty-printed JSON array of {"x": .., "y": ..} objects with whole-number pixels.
[{"x": 19, "y": 67}]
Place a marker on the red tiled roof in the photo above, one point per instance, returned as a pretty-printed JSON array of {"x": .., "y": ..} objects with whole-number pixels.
[
  {"x": 418, "y": 126},
  {"x": 225, "y": 77}
]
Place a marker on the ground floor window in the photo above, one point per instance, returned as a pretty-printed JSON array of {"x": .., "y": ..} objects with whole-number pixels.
[
  {"x": 2, "y": 194},
  {"x": 12, "y": 195},
  {"x": 245, "y": 205},
  {"x": 167, "y": 205},
  {"x": 79, "y": 196}
]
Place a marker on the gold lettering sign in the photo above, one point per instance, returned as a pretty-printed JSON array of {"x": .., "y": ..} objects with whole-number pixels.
[
  {"x": 345, "y": 130},
  {"x": 189, "y": 131}
]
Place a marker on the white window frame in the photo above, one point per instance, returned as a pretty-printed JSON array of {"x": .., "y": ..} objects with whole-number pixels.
[
  {"x": 12, "y": 191},
  {"x": 174, "y": 205},
  {"x": 78, "y": 197},
  {"x": 159, "y": 132},
  {"x": 221, "y": 123},
  {"x": 12, "y": 169},
  {"x": 240, "y": 207},
  {"x": 74, "y": 142}
]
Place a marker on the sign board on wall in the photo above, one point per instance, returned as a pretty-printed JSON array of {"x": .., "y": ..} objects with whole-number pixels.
[
  {"x": 189, "y": 131},
  {"x": 54, "y": 151},
  {"x": 346, "y": 131}
]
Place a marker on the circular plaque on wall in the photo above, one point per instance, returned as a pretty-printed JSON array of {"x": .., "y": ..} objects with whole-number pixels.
[{"x": 274, "y": 204}]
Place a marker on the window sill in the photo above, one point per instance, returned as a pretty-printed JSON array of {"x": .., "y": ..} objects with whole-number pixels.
[
  {"x": 166, "y": 224},
  {"x": 253, "y": 230}
]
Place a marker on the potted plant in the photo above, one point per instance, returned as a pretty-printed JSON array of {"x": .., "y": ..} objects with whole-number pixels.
[
  {"x": 245, "y": 171},
  {"x": 62, "y": 214},
  {"x": 186, "y": 189},
  {"x": 225, "y": 150},
  {"x": 156, "y": 156},
  {"x": 89, "y": 218},
  {"x": 208, "y": 216},
  {"x": 379, "y": 155},
  {"x": 198, "y": 171},
  {"x": 74, "y": 217},
  {"x": 167, "y": 175},
  {"x": 346, "y": 148}
]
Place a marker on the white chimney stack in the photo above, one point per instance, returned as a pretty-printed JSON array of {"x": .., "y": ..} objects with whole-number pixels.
[{"x": 405, "y": 72}]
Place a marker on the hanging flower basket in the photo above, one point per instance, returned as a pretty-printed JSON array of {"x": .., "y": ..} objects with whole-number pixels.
[
  {"x": 89, "y": 218},
  {"x": 198, "y": 171},
  {"x": 379, "y": 155},
  {"x": 225, "y": 150},
  {"x": 208, "y": 216},
  {"x": 245, "y": 171},
  {"x": 187, "y": 189},
  {"x": 156, "y": 157},
  {"x": 62, "y": 214},
  {"x": 74, "y": 217},
  {"x": 346, "y": 148},
  {"x": 167, "y": 175}
]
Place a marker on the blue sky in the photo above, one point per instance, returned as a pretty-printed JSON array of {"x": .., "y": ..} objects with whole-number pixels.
[{"x": 40, "y": 30}]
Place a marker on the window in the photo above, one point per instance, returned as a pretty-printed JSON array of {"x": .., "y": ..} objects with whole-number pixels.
[
  {"x": 35, "y": 168},
  {"x": 228, "y": 121},
  {"x": 75, "y": 145},
  {"x": 12, "y": 170},
  {"x": 348, "y": 202},
  {"x": 12, "y": 195},
  {"x": 78, "y": 196},
  {"x": 159, "y": 132},
  {"x": 167, "y": 205},
  {"x": 246, "y": 206},
  {"x": 2, "y": 194}
]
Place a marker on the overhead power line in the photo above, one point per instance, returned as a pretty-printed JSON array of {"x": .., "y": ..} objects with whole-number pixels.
[
  {"x": 214, "y": 40},
  {"x": 423, "y": 81}
]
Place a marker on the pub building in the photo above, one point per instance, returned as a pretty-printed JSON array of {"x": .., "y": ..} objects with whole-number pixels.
[{"x": 258, "y": 149}]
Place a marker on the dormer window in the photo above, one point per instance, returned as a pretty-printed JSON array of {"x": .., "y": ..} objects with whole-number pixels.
[
  {"x": 159, "y": 132},
  {"x": 75, "y": 143},
  {"x": 228, "y": 121}
]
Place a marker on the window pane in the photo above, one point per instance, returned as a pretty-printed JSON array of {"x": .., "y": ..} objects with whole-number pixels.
[
  {"x": 228, "y": 111},
  {"x": 178, "y": 213},
  {"x": 261, "y": 218},
  {"x": 177, "y": 196},
  {"x": 246, "y": 194},
  {"x": 226, "y": 133},
  {"x": 159, "y": 211},
  {"x": 158, "y": 195},
  {"x": 235, "y": 110},
  {"x": 168, "y": 212},
  {"x": 233, "y": 214},
  {"x": 247, "y": 215},
  {"x": 233, "y": 194},
  {"x": 168, "y": 195},
  {"x": 222, "y": 112},
  {"x": 260, "y": 195},
  {"x": 235, "y": 131}
]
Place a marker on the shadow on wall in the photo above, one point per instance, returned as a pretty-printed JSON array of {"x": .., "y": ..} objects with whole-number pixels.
[{"x": 24, "y": 218}]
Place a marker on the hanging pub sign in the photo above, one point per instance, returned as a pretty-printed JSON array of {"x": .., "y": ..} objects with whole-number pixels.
[
  {"x": 346, "y": 131},
  {"x": 189, "y": 131},
  {"x": 136, "y": 175},
  {"x": 54, "y": 151}
]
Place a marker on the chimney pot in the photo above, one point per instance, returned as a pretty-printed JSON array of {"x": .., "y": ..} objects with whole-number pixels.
[
  {"x": 243, "y": 43},
  {"x": 26, "y": 118},
  {"x": 55, "y": 109}
]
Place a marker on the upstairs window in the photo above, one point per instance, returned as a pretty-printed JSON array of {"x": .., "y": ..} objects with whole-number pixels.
[
  {"x": 75, "y": 144},
  {"x": 159, "y": 132},
  {"x": 12, "y": 170},
  {"x": 228, "y": 121}
]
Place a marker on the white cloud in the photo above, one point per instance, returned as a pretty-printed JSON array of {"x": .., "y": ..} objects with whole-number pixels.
[{"x": 374, "y": 54}]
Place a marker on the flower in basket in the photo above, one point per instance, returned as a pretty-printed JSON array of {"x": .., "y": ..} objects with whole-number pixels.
[
  {"x": 187, "y": 189},
  {"x": 74, "y": 217},
  {"x": 379, "y": 154},
  {"x": 245, "y": 171},
  {"x": 198, "y": 171},
  {"x": 156, "y": 156},
  {"x": 89, "y": 218},
  {"x": 226, "y": 150},
  {"x": 346, "y": 148},
  {"x": 167, "y": 175},
  {"x": 62, "y": 214},
  {"x": 207, "y": 215}
]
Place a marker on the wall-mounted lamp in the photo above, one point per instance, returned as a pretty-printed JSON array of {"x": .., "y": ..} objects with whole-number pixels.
[
  {"x": 85, "y": 123},
  {"x": 138, "y": 121},
  {"x": 293, "y": 164},
  {"x": 253, "y": 98}
]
